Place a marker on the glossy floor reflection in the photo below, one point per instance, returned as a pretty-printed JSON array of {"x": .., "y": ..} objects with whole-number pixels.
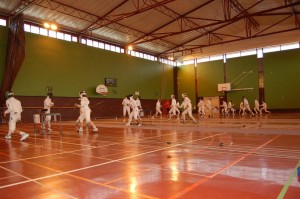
[{"x": 251, "y": 157}]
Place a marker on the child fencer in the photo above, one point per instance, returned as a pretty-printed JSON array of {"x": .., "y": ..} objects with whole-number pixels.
[
  {"x": 177, "y": 111},
  {"x": 172, "y": 111},
  {"x": 139, "y": 105},
  {"x": 14, "y": 108},
  {"x": 256, "y": 107},
  {"x": 224, "y": 108},
  {"x": 230, "y": 108},
  {"x": 187, "y": 106},
  {"x": 242, "y": 108},
  {"x": 264, "y": 108},
  {"x": 201, "y": 107},
  {"x": 126, "y": 107},
  {"x": 157, "y": 109},
  {"x": 134, "y": 112},
  {"x": 210, "y": 108},
  {"x": 246, "y": 106},
  {"x": 85, "y": 112},
  {"x": 47, "y": 106}
]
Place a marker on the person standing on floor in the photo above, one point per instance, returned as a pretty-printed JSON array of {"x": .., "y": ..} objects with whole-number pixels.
[
  {"x": 224, "y": 108},
  {"x": 230, "y": 108},
  {"x": 85, "y": 112},
  {"x": 246, "y": 106},
  {"x": 139, "y": 105},
  {"x": 172, "y": 111},
  {"x": 126, "y": 107},
  {"x": 187, "y": 105},
  {"x": 134, "y": 112},
  {"x": 201, "y": 107},
  {"x": 256, "y": 107},
  {"x": 157, "y": 109},
  {"x": 47, "y": 106},
  {"x": 14, "y": 108}
]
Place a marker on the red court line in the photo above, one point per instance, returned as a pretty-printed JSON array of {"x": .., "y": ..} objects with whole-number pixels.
[{"x": 186, "y": 190}]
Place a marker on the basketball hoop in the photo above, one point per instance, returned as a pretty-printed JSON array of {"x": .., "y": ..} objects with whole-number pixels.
[{"x": 102, "y": 90}]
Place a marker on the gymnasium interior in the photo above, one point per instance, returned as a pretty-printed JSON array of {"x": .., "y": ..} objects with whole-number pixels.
[{"x": 217, "y": 50}]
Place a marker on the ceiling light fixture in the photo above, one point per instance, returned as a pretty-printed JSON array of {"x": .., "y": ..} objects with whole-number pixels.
[{"x": 50, "y": 26}]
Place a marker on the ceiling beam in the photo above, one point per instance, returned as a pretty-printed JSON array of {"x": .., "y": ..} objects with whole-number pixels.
[
  {"x": 21, "y": 6},
  {"x": 88, "y": 17},
  {"x": 109, "y": 19},
  {"x": 178, "y": 17},
  {"x": 232, "y": 21},
  {"x": 182, "y": 51}
]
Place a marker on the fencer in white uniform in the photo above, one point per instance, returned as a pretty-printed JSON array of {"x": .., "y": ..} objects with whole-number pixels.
[
  {"x": 224, "y": 108},
  {"x": 134, "y": 112},
  {"x": 157, "y": 109},
  {"x": 47, "y": 106},
  {"x": 187, "y": 106},
  {"x": 256, "y": 106},
  {"x": 14, "y": 108},
  {"x": 210, "y": 108},
  {"x": 201, "y": 108},
  {"x": 172, "y": 111},
  {"x": 246, "y": 106},
  {"x": 230, "y": 108},
  {"x": 85, "y": 112},
  {"x": 126, "y": 107},
  {"x": 264, "y": 108},
  {"x": 139, "y": 105},
  {"x": 242, "y": 107}
]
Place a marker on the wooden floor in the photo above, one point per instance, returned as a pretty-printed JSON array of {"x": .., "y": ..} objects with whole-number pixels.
[{"x": 251, "y": 157}]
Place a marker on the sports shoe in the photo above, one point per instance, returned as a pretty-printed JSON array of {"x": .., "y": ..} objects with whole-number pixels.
[
  {"x": 139, "y": 124},
  {"x": 24, "y": 136},
  {"x": 95, "y": 129},
  {"x": 8, "y": 137},
  {"x": 49, "y": 129},
  {"x": 80, "y": 130},
  {"x": 127, "y": 124}
]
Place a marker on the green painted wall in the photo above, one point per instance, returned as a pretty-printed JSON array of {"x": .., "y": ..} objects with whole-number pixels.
[
  {"x": 186, "y": 82},
  {"x": 209, "y": 75},
  {"x": 70, "y": 67},
  {"x": 237, "y": 66},
  {"x": 282, "y": 79},
  {"x": 3, "y": 46}
]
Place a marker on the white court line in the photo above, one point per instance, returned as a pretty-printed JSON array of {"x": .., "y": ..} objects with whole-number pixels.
[
  {"x": 31, "y": 180},
  {"x": 112, "y": 161}
]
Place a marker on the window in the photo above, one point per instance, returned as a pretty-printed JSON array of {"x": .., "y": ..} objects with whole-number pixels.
[
  {"x": 27, "y": 28},
  {"x": 204, "y": 59},
  {"x": 60, "y": 35},
  {"x": 83, "y": 41},
  {"x": 248, "y": 52},
  {"x": 107, "y": 47},
  {"x": 52, "y": 33},
  {"x": 68, "y": 37},
  {"x": 113, "y": 48},
  {"x": 289, "y": 46},
  {"x": 89, "y": 42},
  {"x": 44, "y": 31},
  {"x": 74, "y": 39},
  {"x": 271, "y": 49},
  {"x": 101, "y": 45},
  {"x": 2, "y": 22},
  {"x": 96, "y": 44},
  {"x": 35, "y": 30},
  {"x": 216, "y": 57},
  {"x": 233, "y": 54}
]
